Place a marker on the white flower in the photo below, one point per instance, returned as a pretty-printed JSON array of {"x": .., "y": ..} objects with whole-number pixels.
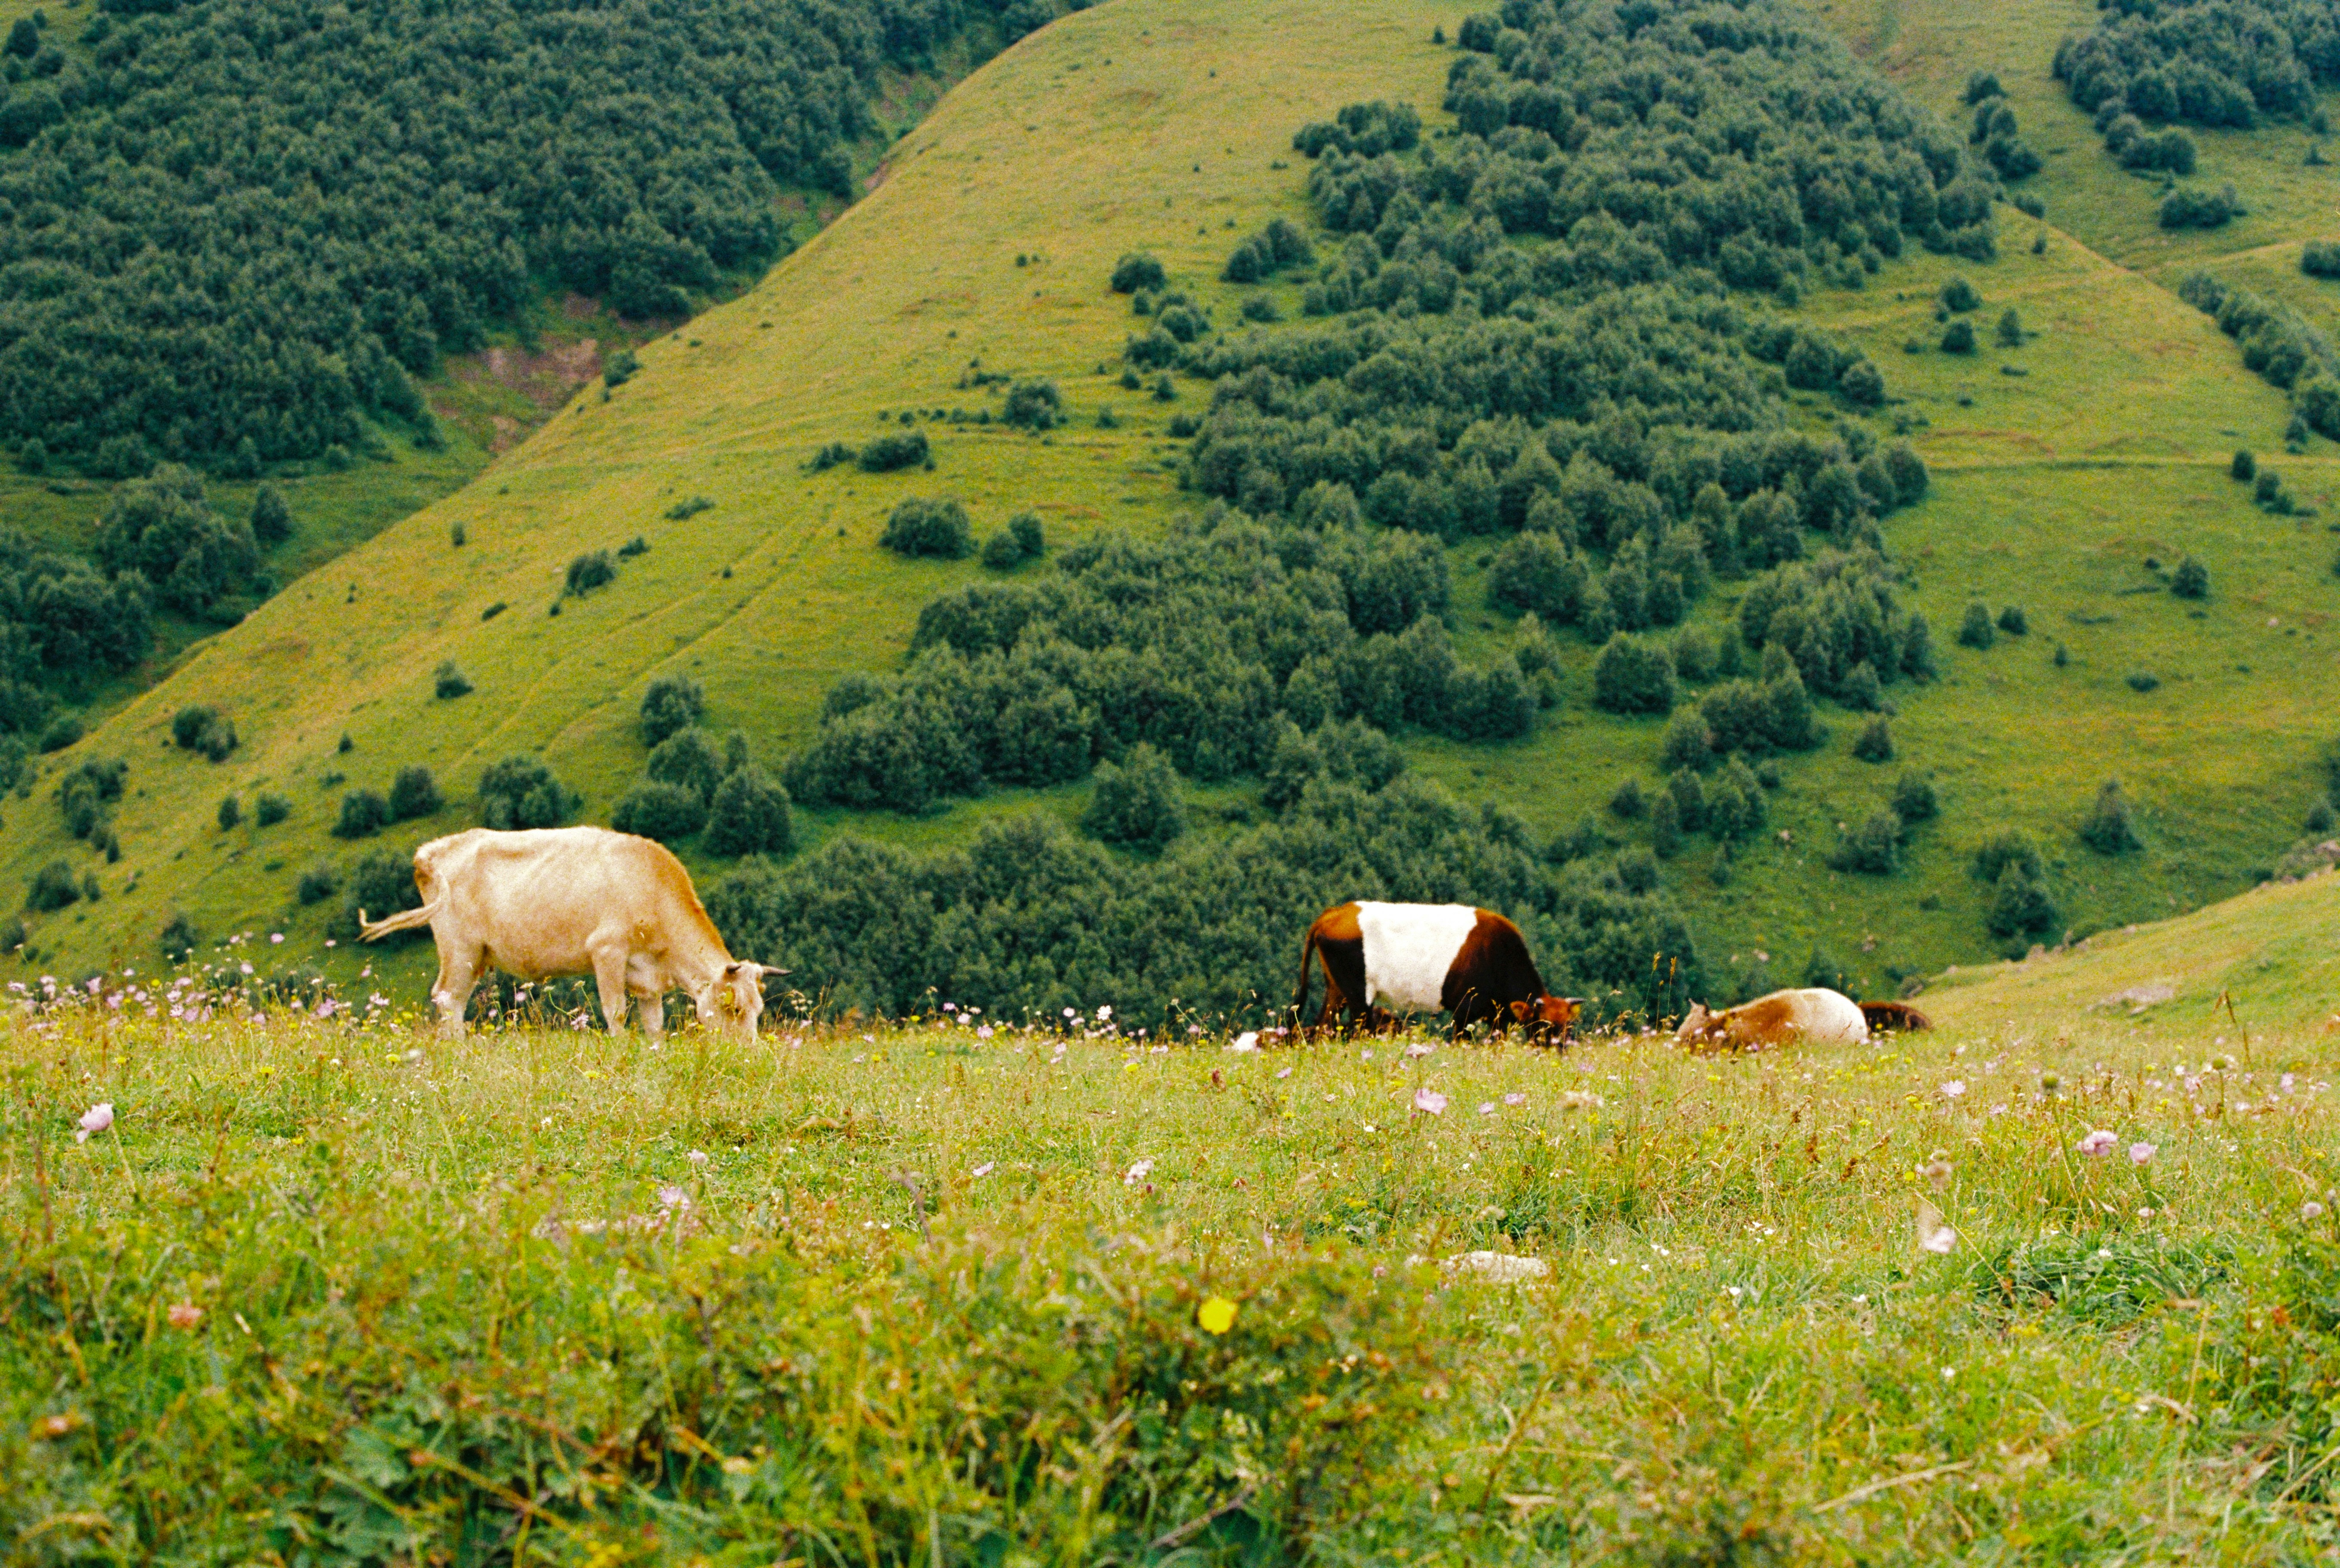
[
  {"x": 1515, "y": 1099},
  {"x": 275, "y": 937},
  {"x": 2101, "y": 1141},
  {"x": 1953, "y": 1090},
  {"x": 673, "y": 1197},
  {"x": 697, "y": 1157},
  {"x": 1247, "y": 1040},
  {"x": 1138, "y": 1171},
  {"x": 96, "y": 1118},
  {"x": 983, "y": 1031},
  {"x": 1420, "y": 1049},
  {"x": 987, "y": 1167},
  {"x": 1431, "y": 1101},
  {"x": 2311, "y": 1209},
  {"x": 2139, "y": 1153},
  {"x": 1104, "y": 1013},
  {"x": 1941, "y": 1240}
]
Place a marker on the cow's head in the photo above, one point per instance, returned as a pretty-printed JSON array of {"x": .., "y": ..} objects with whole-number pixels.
[
  {"x": 734, "y": 999},
  {"x": 1548, "y": 1019},
  {"x": 1696, "y": 1025}
]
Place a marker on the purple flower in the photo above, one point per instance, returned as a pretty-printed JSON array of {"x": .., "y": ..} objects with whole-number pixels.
[
  {"x": 2139, "y": 1153},
  {"x": 1515, "y": 1099},
  {"x": 1431, "y": 1101},
  {"x": 2101, "y": 1141}
]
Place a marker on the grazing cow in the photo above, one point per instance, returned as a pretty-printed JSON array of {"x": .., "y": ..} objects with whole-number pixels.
[
  {"x": 566, "y": 901},
  {"x": 1818, "y": 1016},
  {"x": 1402, "y": 958},
  {"x": 1894, "y": 1018}
]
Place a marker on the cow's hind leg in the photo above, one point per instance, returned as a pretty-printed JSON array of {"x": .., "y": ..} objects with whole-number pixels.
[
  {"x": 609, "y": 956},
  {"x": 653, "y": 1010},
  {"x": 458, "y": 972}
]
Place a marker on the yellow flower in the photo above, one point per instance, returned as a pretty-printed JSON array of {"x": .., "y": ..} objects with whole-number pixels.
[{"x": 1216, "y": 1315}]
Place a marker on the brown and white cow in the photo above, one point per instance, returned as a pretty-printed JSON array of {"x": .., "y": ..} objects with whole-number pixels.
[
  {"x": 1406, "y": 958},
  {"x": 569, "y": 901},
  {"x": 1816, "y": 1016},
  {"x": 1893, "y": 1017}
]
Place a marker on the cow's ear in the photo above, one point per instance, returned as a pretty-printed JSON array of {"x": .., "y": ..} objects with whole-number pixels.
[{"x": 1519, "y": 1012}]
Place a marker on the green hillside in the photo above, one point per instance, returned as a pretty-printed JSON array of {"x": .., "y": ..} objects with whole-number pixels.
[{"x": 2060, "y": 468}]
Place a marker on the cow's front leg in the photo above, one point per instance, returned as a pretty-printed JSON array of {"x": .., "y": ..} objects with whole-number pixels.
[
  {"x": 653, "y": 1012},
  {"x": 458, "y": 972}
]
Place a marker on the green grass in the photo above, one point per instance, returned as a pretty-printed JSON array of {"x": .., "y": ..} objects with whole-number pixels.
[
  {"x": 1085, "y": 141},
  {"x": 346, "y": 1291}
]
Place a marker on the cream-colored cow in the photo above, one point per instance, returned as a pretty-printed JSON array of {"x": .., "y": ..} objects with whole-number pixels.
[
  {"x": 1815, "y": 1016},
  {"x": 569, "y": 901}
]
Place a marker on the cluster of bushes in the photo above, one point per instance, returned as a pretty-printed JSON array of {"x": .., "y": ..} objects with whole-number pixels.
[
  {"x": 520, "y": 792},
  {"x": 198, "y": 563},
  {"x": 2021, "y": 910},
  {"x": 2192, "y": 207},
  {"x": 1875, "y": 846},
  {"x": 1200, "y": 644},
  {"x": 176, "y": 171},
  {"x": 1029, "y": 918},
  {"x": 2216, "y": 63},
  {"x": 924, "y": 527},
  {"x": 65, "y": 622},
  {"x": 2320, "y": 259},
  {"x": 688, "y": 784},
  {"x": 1368, "y": 130},
  {"x": 1022, "y": 540},
  {"x": 364, "y": 812},
  {"x": 203, "y": 729},
  {"x": 1272, "y": 249},
  {"x": 85, "y": 796},
  {"x": 2281, "y": 347},
  {"x": 1723, "y": 799},
  {"x": 1034, "y": 405},
  {"x": 884, "y": 454},
  {"x": 1136, "y": 271},
  {"x": 1995, "y": 130}
]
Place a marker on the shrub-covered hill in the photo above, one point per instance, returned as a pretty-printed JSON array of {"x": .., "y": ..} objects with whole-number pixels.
[{"x": 975, "y": 285}]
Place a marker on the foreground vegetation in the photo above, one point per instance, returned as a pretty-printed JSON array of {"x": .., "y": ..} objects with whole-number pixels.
[{"x": 2044, "y": 1284}]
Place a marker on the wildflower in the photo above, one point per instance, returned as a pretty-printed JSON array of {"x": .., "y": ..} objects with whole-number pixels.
[
  {"x": 96, "y": 1118},
  {"x": 1431, "y": 1101},
  {"x": 1104, "y": 1013},
  {"x": 1071, "y": 1012},
  {"x": 2311, "y": 1209},
  {"x": 246, "y": 968},
  {"x": 987, "y": 1167},
  {"x": 1284, "y": 1073},
  {"x": 1953, "y": 1090},
  {"x": 1941, "y": 1240},
  {"x": 1216, "y": 1315},
  {"x": 697, "y": 1157},
  {"x": 1419, "y": 1049},
  {"x": 1515, "y": 1099},
  {"x": 1247, "y": 1040},
  {"x": 1487, "y": 1107},
  {"x": 983, "y": 1031},
  {"x": 2140, "y": 1153},
  {"x": 1138, "y": 1171},
  {"x": 1580, "y": 1099},
  {"x": 1937, "y": 1170},
  {"x": 185, "y": 1314},
  {"x": 2101, "y": 1141},
  {"x": 275, "y": 938},
  {"x": 1366, "y": 1055},
  {"x": 673, "y": 1197}
]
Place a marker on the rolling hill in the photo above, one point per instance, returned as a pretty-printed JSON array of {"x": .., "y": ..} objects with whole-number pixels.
[{"x": 2069, "y": 472}]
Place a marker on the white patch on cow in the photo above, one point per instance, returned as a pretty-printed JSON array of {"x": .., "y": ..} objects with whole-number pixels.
[
  {"x": 1829, "y": 1017},
  {"x": 1409, "y": 948}
]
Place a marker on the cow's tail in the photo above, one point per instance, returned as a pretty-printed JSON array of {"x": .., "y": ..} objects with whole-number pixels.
[
  {"x": 1307, "y": 961},
  {"x": 404, "y": 920}
]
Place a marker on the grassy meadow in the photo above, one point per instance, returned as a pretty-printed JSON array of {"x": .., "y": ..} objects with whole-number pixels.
[{"x": 2051, "y": 1283}]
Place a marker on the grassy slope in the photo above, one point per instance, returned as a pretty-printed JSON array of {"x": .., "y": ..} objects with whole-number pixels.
[{"x": 1141, "y": 125}]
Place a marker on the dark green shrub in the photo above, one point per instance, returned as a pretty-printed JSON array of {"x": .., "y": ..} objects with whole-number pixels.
[
  {"x": 204, "y": 730},
  {"x": 2011, "y": 329},
  {"x": 272, "y": 519},
  {"x": 1872, "y": 848},
  {"x": 1689, "y": 795},
  {"x": 53, "y": 887},
  {"x": 62, "y": 732},
  {"x": 2245, "y": 467},
  {"x": 1137, "y": 270},
  {"x": 1975, "y": 630},
  {"x": 1914, "y": 799},
  {"x": 2020, "y": 904},
  {"x": 2013, "y": 622},
  {"x": 2191, "y": 207},
  {"x": 588, "y": 571},
  {"x": 1958, "y": 296},
  {"x": 318, "y": 883},
  {"x": 687, "y": 758},
  {"x": 2109, "y": 828},
  {"x": 918, "y": 527},
  {"x": 2142, "y": 681},
  {"x": 2191, "y": 581},
  {"x": 619, "y": 368},
  {"x": 1875, "y": 743},
  {"x": 1665, "y": 826},
  {"x": 1633, "y": 676},
  {"x": 1034, "y": 405},
  {"x": 33, "y": 457},
  {"x": 682, "y": 511},
  {"x": 1136, "y": 805},
  {"x": 520, "y": 792},
  {"x": 670, "y": 703},
  {"x": 895, "y": 450},
  {"x": 751, "y": 816},
  {"x": 449, "y": 681},
  {"x": 231, "y": 812},
  {"x": 364, "y": 812},
  {"x": 663, "y": 812},
  {"x": 413, "y": 793},
  {"x": 2320, "y": 817},
  {"x": 382, "y": 884},
  {"x": 831, "y": 454},
  {"x": 2320, "y": 259},
  {"x": 1959, "y": 337},
  {"x": 1688, "y": 744},
  {"x": 179, "y": 939},
  {"x": 1627, "y": 800},
  {"x": 2008, "y": 847}
]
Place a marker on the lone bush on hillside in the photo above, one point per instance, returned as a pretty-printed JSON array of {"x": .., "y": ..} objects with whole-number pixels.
[
  {"x": 1136, "y": 805},
  {"x": 520, "y": 792},
  {"x": 270, "y": 809},
  {"x": 1875, "y": 743},
  {"x": 364, "y": 812},
  {"x": 272, "y": 519},
  {"x": 1034, "y": 405},
  {"x": 920, "y": 527},
  {"x": 1914, "y": 799},
  {"x": 2192, "y": 580},
  {"x": 1137, "y": 270},
  {"x": 449, "y": 681},
  {"x": 588, "y": 571},
  {"x": 178, "y": 938},
  {"x": 2014, "y": 622},
  {"x": 664, "y": 812},
  {"x": 1872, "y": 848},
  {"x": 619, "y": 368},
  {"x": 413, "y": 793},
  {"x": 204, "y": 730},
  {"x": 894, "y": 451},
  {"x": 230, "y": 811},
  {"x": 382, "y": 884},
  {"x": 318, "y": 883},
  {"x": 2109, "y": 828},
  {"x": 52, "y": 888},
  {"x": 1975, "y": 630},
  {"x": 2191, "y": 207},
  {"x": 1958, "y": 296},
  {"x": 1959, "y": 337},
  {"x": 751, "y": 816},
  {"x": 2007, "y": 847},
  {"x": 2245, "y": 467},
  {"x": 670, "y": 703},
  {"x": 2020, "y": 904},
  {"x": 1627, "y": 799}
]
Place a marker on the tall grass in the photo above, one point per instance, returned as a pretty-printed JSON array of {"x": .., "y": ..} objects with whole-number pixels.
[{"x": 328, "y": 1289}]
